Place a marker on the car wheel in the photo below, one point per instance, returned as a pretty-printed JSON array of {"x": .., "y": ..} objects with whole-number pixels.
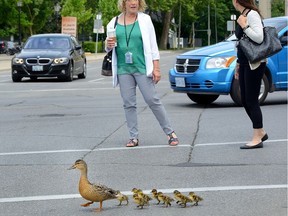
[
  {"x": 202, "y": 98},
  {"x": 16, "y": 78},
  {"x": 69, "y": 76},
  {"x": 235, "y": 92},
  {"x": 264, "y": 89},
  {"x": 84, "y": 73},
  {"x": 236, "y": 96}
]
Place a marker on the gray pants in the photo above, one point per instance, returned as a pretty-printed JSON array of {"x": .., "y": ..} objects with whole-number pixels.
[{"x": 128, "y": 83}]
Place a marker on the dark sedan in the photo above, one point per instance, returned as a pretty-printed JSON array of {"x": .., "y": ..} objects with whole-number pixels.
[{"x": 50, "y": 55}]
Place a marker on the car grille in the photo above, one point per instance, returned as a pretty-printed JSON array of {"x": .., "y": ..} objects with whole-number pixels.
[
  {"x": 187, "y": 65},
  {"x": 38, "y": 61}
]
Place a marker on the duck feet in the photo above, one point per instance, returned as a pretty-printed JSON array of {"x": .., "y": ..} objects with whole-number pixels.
[
  {"x": 86, "y": 204},
  {"x": 98, "y": 210}
]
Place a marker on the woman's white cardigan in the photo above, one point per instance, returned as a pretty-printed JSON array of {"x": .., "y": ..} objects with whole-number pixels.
[
  {"x": 150, "y": 46},
  {"x": 255, "y": 32}
]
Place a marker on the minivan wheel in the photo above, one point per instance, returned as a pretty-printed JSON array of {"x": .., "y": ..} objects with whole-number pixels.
[
  {"x": 236, "y": 96},
  {"x": 202, "y": 98}
]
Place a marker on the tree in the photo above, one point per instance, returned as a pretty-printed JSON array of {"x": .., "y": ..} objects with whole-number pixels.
[
  {"x": 35, "y": 15},
  {"x": 278, "y": 8},
  {"x": 8, "y": 18},
  {"x": 108, "y": 10},
  {"x": 76, "y": 8}
]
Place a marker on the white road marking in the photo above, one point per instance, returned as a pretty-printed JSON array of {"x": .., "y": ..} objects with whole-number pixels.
[
  {"x": 201, "y": 189},
  {"x": 54, "y": 90},
  {"x": 128, "y": 149},
  {"x": 88, "y": 150},
  {"x": 97, "y": 80},
  {"x": 235, "y": 143}
]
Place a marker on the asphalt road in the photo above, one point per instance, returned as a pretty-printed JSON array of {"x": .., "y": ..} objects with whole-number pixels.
[{"x": 46, "y": 125}]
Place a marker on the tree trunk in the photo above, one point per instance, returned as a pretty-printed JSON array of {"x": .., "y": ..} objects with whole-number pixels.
[{"x": 165, "y": 30}]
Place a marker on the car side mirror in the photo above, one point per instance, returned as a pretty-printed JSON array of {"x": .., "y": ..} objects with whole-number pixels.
[
  {"x": 284, "y": 40},
  {"x": 78, "y": 47}
]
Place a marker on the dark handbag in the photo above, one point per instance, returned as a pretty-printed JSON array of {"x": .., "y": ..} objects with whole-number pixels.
[
  {"x": 107, "y": 65},
  {"x": 107, "y": 61},
  {"x": 256, "y": 52}
]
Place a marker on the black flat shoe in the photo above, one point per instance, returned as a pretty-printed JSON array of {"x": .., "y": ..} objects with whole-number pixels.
[
  {"x": 259, "y": 145},
  {"x": 264, "y": 138}
]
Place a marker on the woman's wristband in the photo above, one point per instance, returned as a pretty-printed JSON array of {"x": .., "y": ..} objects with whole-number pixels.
[{"x": 246, "y": 27}]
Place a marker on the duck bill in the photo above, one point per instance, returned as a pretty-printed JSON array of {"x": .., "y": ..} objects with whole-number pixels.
[{"x": 72, "y": 167}]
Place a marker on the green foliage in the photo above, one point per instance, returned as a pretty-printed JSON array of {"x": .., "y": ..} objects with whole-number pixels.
[
  {"x": 89, "y": 46},
  {"x": 38, "y": 16},
  {"x": 278, "y": 8},
  {"x": 108, "y": 9},
  {"x": 162, "y": 5},
  {"x": 8, "y": 18},
  {"x": 34, "y": 16},
  {"x": 76, "y": 8}
]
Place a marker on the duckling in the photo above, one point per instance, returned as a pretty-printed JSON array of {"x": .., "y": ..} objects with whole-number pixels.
[
  {"x": 166, "y": 199},
  {"x": 181, "y": 198},
  {"x": 195, "y": 198},
  {"x": 161, "y": 197},
  {"x": 140, "y": 201},
  {"x": 135, "y": 190},
  {"x": 155, "y": 195},
  {"x": 144, "y": 196},
  {"x": 89, "y": 191},
  {"x": 121, "y": 197}
]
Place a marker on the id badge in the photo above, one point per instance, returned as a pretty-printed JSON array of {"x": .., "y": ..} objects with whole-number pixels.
[{"x": 128, "y": 58}]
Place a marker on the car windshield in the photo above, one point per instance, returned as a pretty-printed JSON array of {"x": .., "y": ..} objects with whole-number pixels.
[
  {"x": 47, "y": 43},
  {"x": 279, "y": 24}
]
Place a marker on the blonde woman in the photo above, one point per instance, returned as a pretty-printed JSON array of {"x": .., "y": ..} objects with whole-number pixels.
[{"x": 135, "y": 62}]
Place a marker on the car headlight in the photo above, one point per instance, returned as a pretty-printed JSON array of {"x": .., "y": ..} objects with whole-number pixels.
[
  {"x": 220, "y": 62},
  {"x": 61, "y": 60},
  {"x": 18, "y": 61}
]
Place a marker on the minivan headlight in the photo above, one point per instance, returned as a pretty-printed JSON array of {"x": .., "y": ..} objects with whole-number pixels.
[
  {"x": 220, "y": 62},
  {"x": 61, "y": 60}
]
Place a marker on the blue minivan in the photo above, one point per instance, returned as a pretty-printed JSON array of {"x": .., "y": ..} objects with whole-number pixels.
[{"x": 205, "y": 73}]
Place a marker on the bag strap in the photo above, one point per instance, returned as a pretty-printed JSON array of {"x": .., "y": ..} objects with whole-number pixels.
[
  {"x": 116, "y": 20},
  {"x": 245, "y": 10}
]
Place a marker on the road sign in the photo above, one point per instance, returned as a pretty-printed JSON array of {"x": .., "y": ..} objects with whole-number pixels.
[{"x": 97, "y": 24}]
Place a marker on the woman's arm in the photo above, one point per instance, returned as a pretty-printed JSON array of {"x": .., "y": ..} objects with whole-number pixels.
[{"x": 255, "y": 29}]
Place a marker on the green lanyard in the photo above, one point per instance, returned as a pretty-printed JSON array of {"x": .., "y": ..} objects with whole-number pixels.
[{"x": 128, "y": 39}]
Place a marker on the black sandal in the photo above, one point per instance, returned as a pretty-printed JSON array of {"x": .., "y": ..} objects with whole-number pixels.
[
  {"x": 173, "y": 141},
  {"x": 132, "y": 143}
]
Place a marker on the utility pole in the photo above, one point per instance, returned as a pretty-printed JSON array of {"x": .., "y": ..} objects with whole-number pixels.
[
  {"x": 209, "y": 27},
  {"x": 286, "y": 8},
  {"x": 179, "y": 27},
  {"x": 265, "y": 8}
]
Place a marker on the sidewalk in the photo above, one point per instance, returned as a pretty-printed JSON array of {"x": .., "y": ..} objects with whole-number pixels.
[{"x": 5, "y": 60}]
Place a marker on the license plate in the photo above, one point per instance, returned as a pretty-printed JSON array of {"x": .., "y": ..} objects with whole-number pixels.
[
  {"x": 180, "y": 81},
  {"x": 37, "y": 68}
]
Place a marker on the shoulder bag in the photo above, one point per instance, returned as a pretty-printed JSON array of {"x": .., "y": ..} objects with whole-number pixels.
[
  {"x": 256, "y": 52},
  {"x": 107, "y": 61}
]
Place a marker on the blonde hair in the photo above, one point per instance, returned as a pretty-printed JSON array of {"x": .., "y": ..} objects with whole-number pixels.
[{"x": 121, "y": 5}]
